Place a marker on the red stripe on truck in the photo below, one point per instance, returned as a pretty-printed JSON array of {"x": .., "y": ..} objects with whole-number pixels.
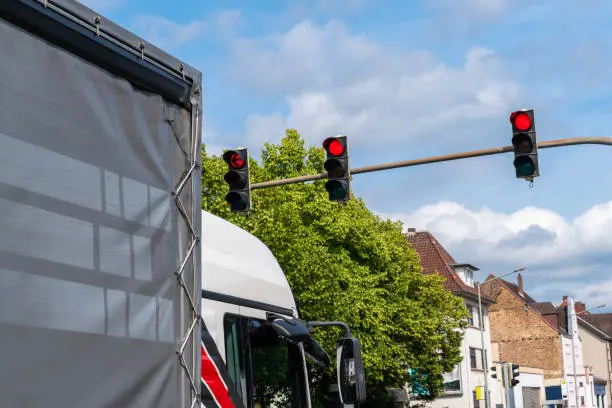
[{"x": 212, "y": 379}]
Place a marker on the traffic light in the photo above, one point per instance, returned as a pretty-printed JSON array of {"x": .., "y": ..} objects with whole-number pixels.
[
  {"x": 524, "y": 144},
  {"x": 337, "y": 167},
  {"x": 239, "y": 196},
  {"x": 514, "y": 372},
  {"x": 494, "y": 372}
]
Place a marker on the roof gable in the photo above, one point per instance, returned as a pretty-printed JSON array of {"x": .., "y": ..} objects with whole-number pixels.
[{"x": 498, "y": 285}]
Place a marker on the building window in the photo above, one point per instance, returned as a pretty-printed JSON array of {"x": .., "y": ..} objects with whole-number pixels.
[
  {"x": 452, "y": 381},
  {"x": 474, "y": 317},
  {"x": 470, "y": 309},
  {"x": 469, "y": 278},
  {"x": 475, "y": 358}
]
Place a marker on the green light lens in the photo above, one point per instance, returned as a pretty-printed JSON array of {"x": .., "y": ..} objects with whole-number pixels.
[
  {"x": 524, "y": 166},
  {"x": 338, "y": 192},
  {"x": 336, "y": 189},
  {"x": 237, "y": 201}
]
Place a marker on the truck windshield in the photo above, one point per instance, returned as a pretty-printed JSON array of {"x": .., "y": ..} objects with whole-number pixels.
[{"x": 266, "y": 369}]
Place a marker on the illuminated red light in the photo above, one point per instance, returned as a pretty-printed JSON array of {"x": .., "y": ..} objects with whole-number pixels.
[
  {"x": 334, "y": 147},
  {"x": 236, "y": 161},
  {"x": 521, "y": 120}
]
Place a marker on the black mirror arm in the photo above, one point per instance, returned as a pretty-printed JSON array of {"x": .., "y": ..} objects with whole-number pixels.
[{"x": 312, "y": 325}]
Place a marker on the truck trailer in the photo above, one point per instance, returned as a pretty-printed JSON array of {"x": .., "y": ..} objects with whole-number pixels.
[
  {"x": 113, "y": 292},
  {"x": 100, "y": 217}
]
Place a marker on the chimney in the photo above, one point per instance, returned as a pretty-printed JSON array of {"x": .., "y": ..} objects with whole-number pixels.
[
  {"x": 519, "y": 282},
  {"x": 579, "y": 307},
  {"x": 565, "y": 298},
  {"x": 411, "y": 232}
]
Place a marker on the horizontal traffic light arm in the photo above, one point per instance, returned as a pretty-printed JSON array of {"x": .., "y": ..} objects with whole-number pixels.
[{"x": 606, "y": 141}]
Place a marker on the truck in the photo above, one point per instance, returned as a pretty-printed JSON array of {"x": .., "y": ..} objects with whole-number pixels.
[
  {"x": 254, "y": 346},
  {"x": 104, "y": 300}
]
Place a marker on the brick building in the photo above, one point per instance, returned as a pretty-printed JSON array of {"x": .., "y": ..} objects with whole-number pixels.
[
  {"x": 538, "y": 334},
  {"x": 460, "y": 385}
]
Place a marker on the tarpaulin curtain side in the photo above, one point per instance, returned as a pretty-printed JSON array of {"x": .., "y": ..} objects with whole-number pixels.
[{"x": 89, "y": 233}]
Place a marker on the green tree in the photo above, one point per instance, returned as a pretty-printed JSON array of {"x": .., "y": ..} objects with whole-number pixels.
[{"x": 345, "y": 263}]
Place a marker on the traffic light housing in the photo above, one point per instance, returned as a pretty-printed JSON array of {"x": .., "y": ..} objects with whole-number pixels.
[
  {"x": 337, "y": 168},
  {"x": 514, "y": 373},
  {"x": 238, "y": 179},
  {"x": 493, "y": 372},
  {"x": 524, "y": 144}
]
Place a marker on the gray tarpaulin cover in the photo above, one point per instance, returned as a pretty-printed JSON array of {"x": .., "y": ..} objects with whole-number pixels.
[{"x": 89, "y": 234}]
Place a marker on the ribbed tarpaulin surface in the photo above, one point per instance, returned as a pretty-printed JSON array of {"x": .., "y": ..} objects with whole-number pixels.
[{"x": 90, "y": 236}]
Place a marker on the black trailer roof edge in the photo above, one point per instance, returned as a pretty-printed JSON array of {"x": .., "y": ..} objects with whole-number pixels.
[
  {"x": 254, "y": 304},
  {"x": 72, "y": 26},
  {"x": 127, "y": 38}
]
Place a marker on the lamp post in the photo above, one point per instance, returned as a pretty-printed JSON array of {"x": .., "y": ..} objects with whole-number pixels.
[
  {"x": 592, "y": 308},
  {"x": 483, "y": 353}
]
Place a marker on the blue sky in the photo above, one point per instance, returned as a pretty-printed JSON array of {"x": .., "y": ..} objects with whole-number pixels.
[{"x": 411, "y": 79}]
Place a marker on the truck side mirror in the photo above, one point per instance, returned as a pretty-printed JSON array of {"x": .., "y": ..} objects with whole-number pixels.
[
  {"x": 351, "y": 376},
  {"x": 296, "y": 331}
]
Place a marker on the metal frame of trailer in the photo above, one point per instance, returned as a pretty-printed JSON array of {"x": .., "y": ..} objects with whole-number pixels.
[{"x": 73, "y": 27}]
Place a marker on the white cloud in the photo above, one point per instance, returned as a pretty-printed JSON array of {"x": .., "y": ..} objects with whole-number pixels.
[
  {"x": 336, "y": 82},
  {"x": 562, "y": 256},
  {"x": 472, "y": 8},
  {"x": 167, "y": 34},
  {"x": 534, "y": 235}
]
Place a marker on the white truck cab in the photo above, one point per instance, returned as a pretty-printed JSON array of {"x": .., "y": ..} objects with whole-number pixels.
[{"x": 254, "y": 347}]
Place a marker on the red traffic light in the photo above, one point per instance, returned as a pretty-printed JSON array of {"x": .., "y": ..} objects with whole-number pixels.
[
  {"x": 235, "y": 159},
  {"x": 521, "y": 120},
  {"x": 334, "y": 146}
]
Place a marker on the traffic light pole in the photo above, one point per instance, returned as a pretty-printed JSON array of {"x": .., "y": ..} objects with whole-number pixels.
[{"x": 606, "y": 141}]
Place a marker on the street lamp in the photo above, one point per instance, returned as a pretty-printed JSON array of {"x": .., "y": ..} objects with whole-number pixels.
[
  {"x": 593, "y": 308},
  {"x": 483, "y": 354}
]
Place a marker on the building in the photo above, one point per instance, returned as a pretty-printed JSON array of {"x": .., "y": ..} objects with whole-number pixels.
[
  {"x": 461, "y": 384},
  {"x": 535, "y": 334},
  {"x": 529, "y": 392},
  {"x": 595, "y": 335},
  {"x": 595, "y": 346}
]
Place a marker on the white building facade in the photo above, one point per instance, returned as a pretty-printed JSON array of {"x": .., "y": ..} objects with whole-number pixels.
[
  {"x": 579, "y": 382},
  {"x": 528, "y": 393},
  {"x": 461, "y": 385}
]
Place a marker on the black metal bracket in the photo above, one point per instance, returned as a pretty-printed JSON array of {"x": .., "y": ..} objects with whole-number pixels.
[{"x": 312, "y": 325}]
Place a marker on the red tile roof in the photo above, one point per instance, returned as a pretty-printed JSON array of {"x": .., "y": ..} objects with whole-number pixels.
[
  {"x": 545, "y": 308},
  {"x": 435, "y": 259}
]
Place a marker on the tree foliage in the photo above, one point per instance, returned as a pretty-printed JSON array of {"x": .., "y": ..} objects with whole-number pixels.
[{"x": 345, "y": 263}]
